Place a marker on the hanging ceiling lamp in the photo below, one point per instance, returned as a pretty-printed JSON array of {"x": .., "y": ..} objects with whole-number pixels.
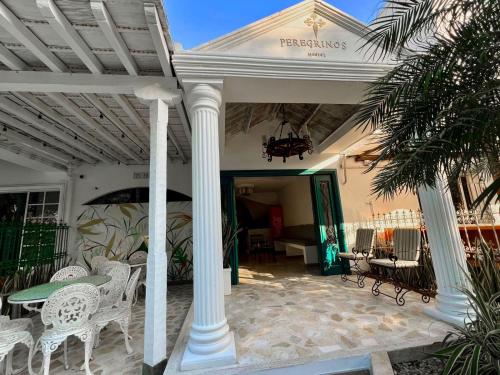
[{"x": 290, "y": 145}]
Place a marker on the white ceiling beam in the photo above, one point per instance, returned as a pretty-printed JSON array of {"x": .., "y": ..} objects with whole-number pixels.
[
  {"x": 127, "y": 107},
  {"x": 172, "y": 138},
  {"x": 311, "y": 116},
  {"x": 49, "y": 140},
  {"x": 249, "y": 118},
  {"x": 25, "y": 159},
  {"x": 132, "y": 113},
  {"x": 93, "y": 125},
  {"x": 181, "y": 110},
  {"x": 67, "y": 32},
  {"x": 55, "y": 155},
  {"x": 156, "y": 30},
  {"x": 25, "y": 115},
  {"x": 47, "y": 111},
  {"x": 96, "y": 102},
  {"x": 83, "y": 83},
  {"x": 11, "y": 60},
  {"x": 337, "y": 134},
  {"x": 18, "y": 30},
  {"x": 114, "y": 38}
]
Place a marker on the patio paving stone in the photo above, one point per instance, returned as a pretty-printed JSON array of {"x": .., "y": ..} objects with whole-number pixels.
[{"x": 111, "y": 358}]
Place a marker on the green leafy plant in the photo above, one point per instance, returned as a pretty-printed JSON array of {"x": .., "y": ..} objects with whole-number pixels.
[
  {"x": 180, "y": 262},
  {"x": 438, "y": 109},
  {"x": 229, "y": 235},
  {"x": 475, "y": 348}
]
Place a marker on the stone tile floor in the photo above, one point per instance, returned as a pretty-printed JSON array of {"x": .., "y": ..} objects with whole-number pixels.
[
  {"x": 110, "y": 357},
  {"x": 284, "y": 312}
]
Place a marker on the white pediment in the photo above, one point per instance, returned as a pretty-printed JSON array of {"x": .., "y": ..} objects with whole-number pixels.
[{"x": 312, "y": 29}]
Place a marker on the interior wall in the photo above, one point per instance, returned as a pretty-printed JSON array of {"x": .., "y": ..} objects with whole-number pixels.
[{"x": 295, "y": 199}]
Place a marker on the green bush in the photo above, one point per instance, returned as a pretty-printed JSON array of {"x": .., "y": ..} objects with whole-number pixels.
[{"x": 475, "y": 347}]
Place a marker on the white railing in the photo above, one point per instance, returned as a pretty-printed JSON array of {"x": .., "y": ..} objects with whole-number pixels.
[{"x": 473, "y": 225}]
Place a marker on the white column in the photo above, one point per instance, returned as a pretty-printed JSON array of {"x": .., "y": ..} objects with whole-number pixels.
[
  {"x": 155, "y": 330},
  {"x": 210, "y": 342},
  {"x": 448, "y": 254}
]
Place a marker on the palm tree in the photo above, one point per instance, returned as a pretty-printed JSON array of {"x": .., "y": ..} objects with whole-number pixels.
[{"x": 439, "y": 108}]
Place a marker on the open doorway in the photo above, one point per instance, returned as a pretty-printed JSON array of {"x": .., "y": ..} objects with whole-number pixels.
[
  {"x": 276, "y": 218},
  {"x": 291, "y": 221}
]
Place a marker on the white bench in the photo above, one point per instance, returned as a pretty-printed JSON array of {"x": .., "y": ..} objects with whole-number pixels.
[{"x": 298, "y": 247}]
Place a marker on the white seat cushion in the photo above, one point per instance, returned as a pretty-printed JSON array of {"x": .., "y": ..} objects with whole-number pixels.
[
  {"x": 353, "y": 256},
  {"x": 399, "y": 264}
]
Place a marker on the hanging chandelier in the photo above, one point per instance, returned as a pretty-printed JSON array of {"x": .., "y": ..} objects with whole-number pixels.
[{"x": 289, "y": 145}]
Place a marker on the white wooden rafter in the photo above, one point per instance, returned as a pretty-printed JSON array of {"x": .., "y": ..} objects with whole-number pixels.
[
  {"x": 11, "y": 60},
  {"x": 249, "y": 118},
  {"x": 113, "y": 36},
  {"x": 181, "y": 110},
  {"x": 132, "y": 113},
  {"x": 18, "y": 30},
  {"x": 93, "y": 125},
  {"x": 67, "y": 32},
  {"x": 99, "y": 104},
  {"x": 55, "y": 155},
  {"x": 24, "y": 157},
  {"x": 172, "y": 138},
  {"x": 81, "y": 150},
  {"x": 142, "y": 125},
  {"x": 158, "y": 37},
  {"x": 49, "y": 141},
  {"x": 47, "y": 111}
]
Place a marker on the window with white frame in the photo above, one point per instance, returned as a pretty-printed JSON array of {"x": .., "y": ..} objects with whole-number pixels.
[{"x": 30, "y": 206}]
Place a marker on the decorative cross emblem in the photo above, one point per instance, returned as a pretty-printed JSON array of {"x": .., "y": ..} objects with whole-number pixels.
[{"x": 315, "y": 22}]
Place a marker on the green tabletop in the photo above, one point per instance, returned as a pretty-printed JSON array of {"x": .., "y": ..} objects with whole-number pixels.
[{"x": 41, "y": 292}]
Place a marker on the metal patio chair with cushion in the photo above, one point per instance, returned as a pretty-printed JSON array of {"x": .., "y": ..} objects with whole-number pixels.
[
  {"x": 405, "y": 255},
  {"x": 95, "y": 262},
  {"x": 139, "y": 257},
  {"x": 68, "y": 312},
  {"x": 121, "y": 313},
  {"x": 112, "y": 292},
  {"x": 12, "y": 332},
  {"x": 69, "y": 273},
  {"x": 363, "y": 250}
]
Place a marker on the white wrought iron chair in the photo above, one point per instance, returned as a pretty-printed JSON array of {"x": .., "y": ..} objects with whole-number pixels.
[
  {"x": 406, "y": 255},
  {"x": 121, "y": 313},
  {"x": 8, "y": 340},
  {"x": 112, "y": 292},
  {"x": 96, "y": 261},
  {"x": 12, "y": 332},
  {"x": 69, "y": 273},
  {"x": 68, "y": 311},
  {"x": 363, "y": 250},
  {"x": 137, "y": 258}
]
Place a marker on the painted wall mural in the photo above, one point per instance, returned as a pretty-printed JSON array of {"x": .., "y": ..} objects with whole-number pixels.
[{"x": 116, "y": 231}]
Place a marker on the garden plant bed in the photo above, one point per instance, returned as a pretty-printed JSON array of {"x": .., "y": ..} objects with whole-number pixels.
[{"x": 427, "y": 366}]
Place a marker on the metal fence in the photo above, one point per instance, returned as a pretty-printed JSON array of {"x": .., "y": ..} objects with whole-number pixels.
[
  {"x": 26, "y": 245},
  {"x": 473, "y": 226}
]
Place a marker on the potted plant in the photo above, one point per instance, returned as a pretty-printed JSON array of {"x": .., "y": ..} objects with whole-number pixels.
[{"x": 229, "y": 233}]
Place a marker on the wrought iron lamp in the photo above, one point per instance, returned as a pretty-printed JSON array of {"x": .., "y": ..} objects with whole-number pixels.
[{"x": 290, "y": 145}]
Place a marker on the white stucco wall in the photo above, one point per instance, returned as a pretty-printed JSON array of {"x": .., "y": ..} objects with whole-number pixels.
[
  {"x": 16, "y": 175},
  {"x": 90, "y": 182},
  {"x": 243, "y": 152}
]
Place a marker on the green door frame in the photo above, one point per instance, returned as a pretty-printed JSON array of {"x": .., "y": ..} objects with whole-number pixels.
[{"x": 227, "y": 179}]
